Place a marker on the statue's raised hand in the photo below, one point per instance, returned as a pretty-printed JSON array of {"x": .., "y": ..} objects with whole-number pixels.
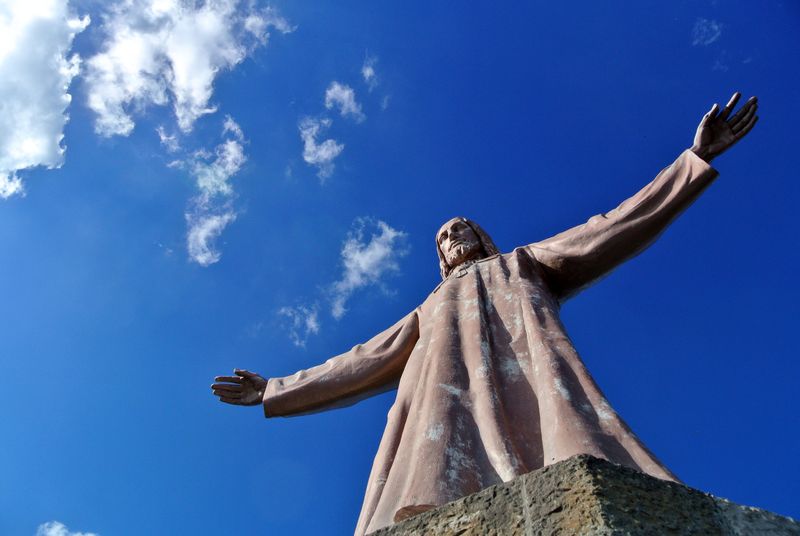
[
  {"x": 244, "y": 389},
  {"x": 716, "y": 133}
]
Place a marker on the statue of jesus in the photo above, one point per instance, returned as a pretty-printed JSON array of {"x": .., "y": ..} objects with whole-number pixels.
[{"x": 489, "y": 385}]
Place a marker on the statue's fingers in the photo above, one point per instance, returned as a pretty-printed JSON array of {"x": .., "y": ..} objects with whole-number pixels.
[
  {"x": 244, "y": 373},
  {"x": 227, "y": 394},
  {"x": 744, "y": 120},
  {"x": 227, "y": 387},
  {"x": 708, "y": 116},
  {"x": 742, "y": 133},
  {"x": 752, "y": 102},
  {"x": 730, "y": 106},
  {"x": 232, "y": 401},
  {"x": 229, "y": 379}
]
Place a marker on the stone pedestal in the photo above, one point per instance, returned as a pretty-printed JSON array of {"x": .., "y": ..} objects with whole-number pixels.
[{"x": 588, "y": 496}]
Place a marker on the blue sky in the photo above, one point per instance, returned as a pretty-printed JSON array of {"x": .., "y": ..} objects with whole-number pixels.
[{"x": 232, "y": 190}]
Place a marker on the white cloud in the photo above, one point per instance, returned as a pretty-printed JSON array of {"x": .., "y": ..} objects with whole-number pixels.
[
  {"x": 303, "y": 322},
  {"x": 204, "y": 229},
  {"x": 170, "y": 51},
  {"x": 211, "y": 210},
  {"x": 230, "y": 126},
  {"x": 259, "y": 23},
  {"x": 55, "y": 528},
  {"x": 169, "y": 141},
  {"x": 366, "y": 262},
  {"x": 705, "y": 32},
  {"x": 35, "y": 75},
  {"x": 212, "y": 177},
  {"x": 368, "y": 72},
  {"x": 343, "y": 97},
  {"x": 318, "y": 154}
]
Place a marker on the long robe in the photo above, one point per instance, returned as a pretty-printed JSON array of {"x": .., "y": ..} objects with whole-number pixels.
[{"x": 490, "y": 385}]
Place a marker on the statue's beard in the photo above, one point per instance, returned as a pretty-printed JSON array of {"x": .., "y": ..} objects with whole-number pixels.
[{"x": 462, "y": 252}]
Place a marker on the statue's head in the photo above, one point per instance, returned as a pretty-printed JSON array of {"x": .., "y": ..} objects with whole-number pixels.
[{"x": 460, "y": 240}]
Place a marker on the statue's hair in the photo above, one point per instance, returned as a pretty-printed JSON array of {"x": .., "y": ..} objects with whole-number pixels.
[{"x": 486, "y": 241}]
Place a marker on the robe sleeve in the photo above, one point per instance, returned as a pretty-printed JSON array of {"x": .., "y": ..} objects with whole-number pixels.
[
  {"x": 366, "y": 370},
  {"x": 576, "y": 258}
]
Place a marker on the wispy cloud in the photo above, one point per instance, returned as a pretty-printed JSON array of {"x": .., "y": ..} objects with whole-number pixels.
[
  {"x": 55, "y": 528},
  {"x": 368, "y": 72},
  {"x": 705, "y": 32},
  {"x": 303, "y": 321},
  {"x": 367, "y": 261},
  {"x": 343, "y": 97},
  {"x": 35, "y": 74},
  {"x": 204, "y": 228},
  {"x": 169, "y": 141},
  {"x": 211, "y": 210},
  {"x": 158, "y": 52},
  {"x": 232, "y": 127},
  {"x": 319, "y": 154},
  {"x": 370, "y": 253}
]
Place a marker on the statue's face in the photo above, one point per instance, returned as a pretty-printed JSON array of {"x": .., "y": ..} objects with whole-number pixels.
[{"x": 458, "y": 242}]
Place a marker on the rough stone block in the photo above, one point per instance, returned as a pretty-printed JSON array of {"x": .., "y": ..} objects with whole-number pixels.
[{"x": 592, "y": 497}]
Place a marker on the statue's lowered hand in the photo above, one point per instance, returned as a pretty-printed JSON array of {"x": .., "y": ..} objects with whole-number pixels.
[
  {"x": 716, "y": 133},
  {"x": 244, "y": 389}
]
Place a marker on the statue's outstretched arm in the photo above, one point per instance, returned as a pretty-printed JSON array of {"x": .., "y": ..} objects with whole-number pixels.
[
  {"x": 576, "y": 258},
  {"x": 366, "y": 370}
]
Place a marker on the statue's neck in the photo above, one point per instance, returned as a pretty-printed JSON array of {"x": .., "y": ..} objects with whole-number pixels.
[{"x": 469, "y": 259}]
